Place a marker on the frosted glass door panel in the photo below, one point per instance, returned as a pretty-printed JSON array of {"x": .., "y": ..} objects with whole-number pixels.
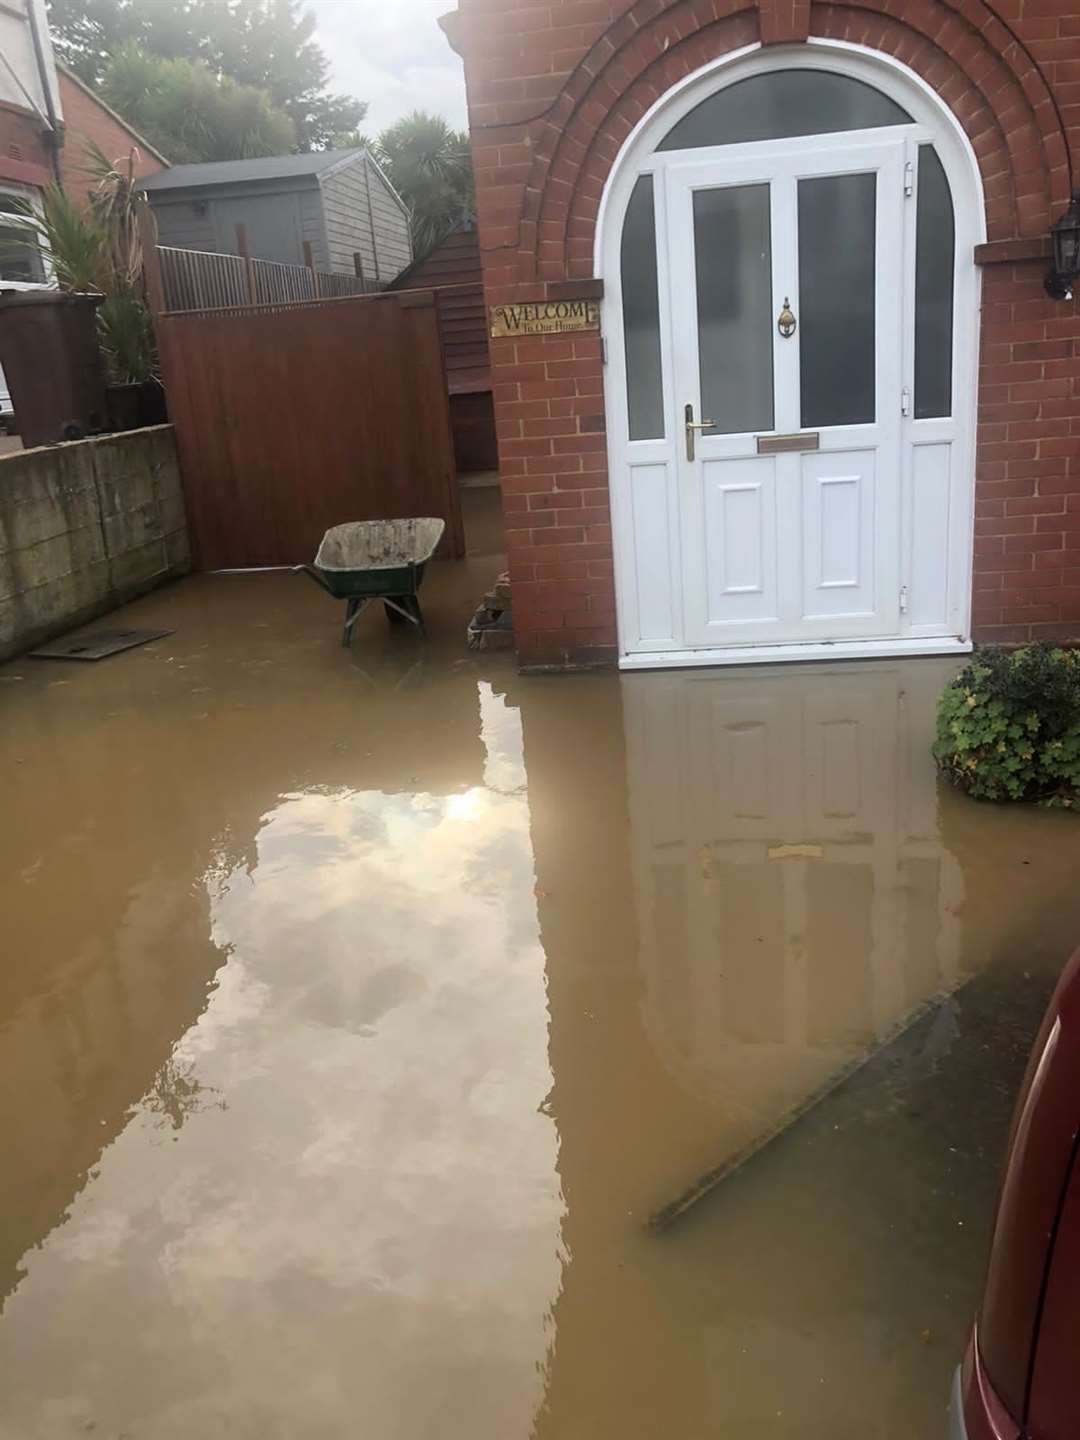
[
  {"x": 837, "y": 275},
  {"x": 733, "y": 263}
]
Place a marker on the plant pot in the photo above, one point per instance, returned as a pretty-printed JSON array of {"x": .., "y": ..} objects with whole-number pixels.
[{"x": 137, "y": 404}]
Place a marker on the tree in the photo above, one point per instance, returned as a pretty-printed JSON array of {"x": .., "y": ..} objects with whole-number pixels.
[
  {"x": 429, "y": 165},
  {"x": 267, "y": 44},
  {"x": 191, "y": 114}
]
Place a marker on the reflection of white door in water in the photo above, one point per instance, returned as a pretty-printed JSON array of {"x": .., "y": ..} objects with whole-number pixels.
[
  {"x": 795, "y": 899},
  {"x": 791, "y": 370}
]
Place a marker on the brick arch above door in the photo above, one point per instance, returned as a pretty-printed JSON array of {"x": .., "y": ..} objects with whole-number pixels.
[{"x": 961, "y": 48}]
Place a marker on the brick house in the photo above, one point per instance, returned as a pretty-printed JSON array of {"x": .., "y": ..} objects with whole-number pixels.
[
  {"x": 30, "y": 128},
  {"x": 46, "y": 118},
  {"x": 88, "y": 120},
  {"x": 832, "y": 410}
]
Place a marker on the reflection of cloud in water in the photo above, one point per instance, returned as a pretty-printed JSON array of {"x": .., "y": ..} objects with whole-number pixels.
[
  {"x": 371, "y": 1227},
  {"x": 504, "y": 745}
]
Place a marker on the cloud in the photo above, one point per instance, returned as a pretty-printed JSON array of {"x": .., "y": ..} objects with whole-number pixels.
[{"x": 392, "y": 54}]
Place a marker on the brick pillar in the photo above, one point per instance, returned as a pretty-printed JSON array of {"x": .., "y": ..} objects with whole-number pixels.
[{"x": 553, "y": 463}]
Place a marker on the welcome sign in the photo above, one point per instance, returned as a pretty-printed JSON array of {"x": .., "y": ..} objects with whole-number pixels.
[{"x": 544, "y": 317}]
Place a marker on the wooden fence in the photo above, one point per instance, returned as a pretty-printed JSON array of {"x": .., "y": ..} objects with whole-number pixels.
[
  {"x": 296, "y": 415},
  {"x": 202, "y": 280}
]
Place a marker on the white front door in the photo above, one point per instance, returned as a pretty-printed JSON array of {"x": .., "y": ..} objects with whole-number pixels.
[
  {"x": 791, "y": 318},
  {"x": 786, "y": 302}
]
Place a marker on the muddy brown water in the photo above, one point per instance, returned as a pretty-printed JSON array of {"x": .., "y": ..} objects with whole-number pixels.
[{"x": 357, "y": 1010}]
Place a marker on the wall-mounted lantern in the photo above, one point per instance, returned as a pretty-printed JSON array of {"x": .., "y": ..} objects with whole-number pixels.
[{"x": 1065, "y": 238}]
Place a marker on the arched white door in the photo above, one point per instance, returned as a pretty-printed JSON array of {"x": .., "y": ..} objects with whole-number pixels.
[{"x": 790, "y": 311}]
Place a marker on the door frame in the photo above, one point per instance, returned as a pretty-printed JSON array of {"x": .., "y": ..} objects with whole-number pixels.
[{"x": 639, "y": 157}]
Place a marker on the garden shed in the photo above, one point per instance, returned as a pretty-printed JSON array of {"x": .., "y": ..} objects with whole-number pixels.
[{"x": 334, "y": 209}]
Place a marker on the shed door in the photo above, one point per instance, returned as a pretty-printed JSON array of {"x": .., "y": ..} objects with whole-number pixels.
[
  {"x": 272, "y": 223},
  {"x": 786, "y": 297}
]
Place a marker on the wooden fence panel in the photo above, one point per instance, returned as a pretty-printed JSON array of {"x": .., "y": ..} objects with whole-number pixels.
[{"x": 292, "y": 419}]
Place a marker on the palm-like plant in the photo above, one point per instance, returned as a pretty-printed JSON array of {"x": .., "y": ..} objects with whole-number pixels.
[
  {"x": 97, "y": 249},
  {"x": 430, "y": 167},
  {"x": 73, "y": 240},
  {"x": 118, "y": 203}
]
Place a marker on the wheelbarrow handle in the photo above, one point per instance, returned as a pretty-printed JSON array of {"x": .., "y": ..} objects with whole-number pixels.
[
  {"x": 315, "y": 574},
  {"x": 262, "y": 570},
  {"x": 311, "y": 570}
]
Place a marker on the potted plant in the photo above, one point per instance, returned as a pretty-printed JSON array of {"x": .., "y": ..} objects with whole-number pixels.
[
  {"x": 96, "y": 250},
  {"x": 136, "y": 395}
]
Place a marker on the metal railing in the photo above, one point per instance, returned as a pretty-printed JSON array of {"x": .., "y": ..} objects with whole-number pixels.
[
  {"x": 337, "y": 287},
  {"x": 199, "y": 280},
  {"x": 205, "y": 280},
  {"x": 277, "y": 284}
]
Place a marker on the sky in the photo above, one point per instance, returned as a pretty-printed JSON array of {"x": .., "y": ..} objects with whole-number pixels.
[{"x": 392, "y": 54}]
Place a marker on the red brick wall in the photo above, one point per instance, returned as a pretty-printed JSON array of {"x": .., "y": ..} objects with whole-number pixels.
[
  {"x": 87, "y": 120},
  {"x": 24, "y": 153},
  {"x": 555, "y": 86}
]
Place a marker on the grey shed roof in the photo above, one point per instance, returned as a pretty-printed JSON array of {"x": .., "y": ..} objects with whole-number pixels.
[{"x": 235, "y": 172}]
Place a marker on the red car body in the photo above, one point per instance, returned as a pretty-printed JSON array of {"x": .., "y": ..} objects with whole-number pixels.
[{"x": 1021, "y": 1377}]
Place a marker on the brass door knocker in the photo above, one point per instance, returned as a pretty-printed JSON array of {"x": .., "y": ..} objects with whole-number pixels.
[{"x": 786, "y": 322}]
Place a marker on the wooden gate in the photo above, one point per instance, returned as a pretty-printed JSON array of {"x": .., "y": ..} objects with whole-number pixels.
[{"x": 291, "y": 418}]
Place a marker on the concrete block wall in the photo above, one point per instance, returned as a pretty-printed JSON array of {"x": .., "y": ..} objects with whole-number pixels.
[{"x": 85, "y": 527}]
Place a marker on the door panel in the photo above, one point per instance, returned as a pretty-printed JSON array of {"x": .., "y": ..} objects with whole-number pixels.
[
  {"x": 837, "y": 264},
  {"x": 838, "y": 506},
  {"x": 733, "y": 255},
  {"x": 652, "y": 553},
  {"x": 801, "y": 546},
  {"x": 739, "y": 539}
]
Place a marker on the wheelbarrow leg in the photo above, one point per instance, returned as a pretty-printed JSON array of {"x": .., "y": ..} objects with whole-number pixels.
[
  {"x": 353, "y": 608},
  {"x": 405, "y": 607}
]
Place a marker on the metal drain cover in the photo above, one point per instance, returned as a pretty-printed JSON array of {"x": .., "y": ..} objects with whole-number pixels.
[{"x": 98, "y": 644}]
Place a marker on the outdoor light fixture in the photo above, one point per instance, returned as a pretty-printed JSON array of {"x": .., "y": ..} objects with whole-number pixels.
[{"x": 1065, "y": 238}]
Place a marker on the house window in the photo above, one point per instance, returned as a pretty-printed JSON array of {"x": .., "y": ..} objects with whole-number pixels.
[
  {"x": 782, "y": 104},
  {"x": 21, "y": 261},
  {"x": 641, "y": 315},
  {"x": 935, "y": 260}
]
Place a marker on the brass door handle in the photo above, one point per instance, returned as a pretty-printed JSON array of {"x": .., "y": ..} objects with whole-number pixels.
[{"x": 692, "y": 426}]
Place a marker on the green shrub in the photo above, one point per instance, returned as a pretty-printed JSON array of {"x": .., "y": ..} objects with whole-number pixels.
[{"x": 1008, "y": 726}]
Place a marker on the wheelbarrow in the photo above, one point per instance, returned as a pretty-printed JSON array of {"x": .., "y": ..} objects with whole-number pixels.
[
  {"x": 383, "y": 560},
  {"x": 368, "y": 560}
]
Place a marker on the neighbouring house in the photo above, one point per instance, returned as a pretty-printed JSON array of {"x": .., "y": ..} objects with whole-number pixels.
[
  {"x": 831, "y": 406},
  {"x": 453, "y": 268},
  {"x": 89, "y": 121},
  {"x": 334, "y": 209},
  {"x": 31, "y": 133}
]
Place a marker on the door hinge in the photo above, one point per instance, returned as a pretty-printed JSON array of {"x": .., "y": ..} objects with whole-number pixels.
[
  {"x": 909, "y": 178},
  {"x": 603, "y": 349},
  {"x": 905, "y": 401},
  {"x": 903, "y": 599}
]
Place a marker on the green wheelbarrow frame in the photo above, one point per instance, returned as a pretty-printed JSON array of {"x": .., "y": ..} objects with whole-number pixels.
[
  {"x": 380, "y": 560},
  {"x": 368, "y": 560},
  {"x": 397, "y": 589}
]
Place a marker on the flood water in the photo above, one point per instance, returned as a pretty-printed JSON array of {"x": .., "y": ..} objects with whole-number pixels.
[{"x": 358, "y": 1010}]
